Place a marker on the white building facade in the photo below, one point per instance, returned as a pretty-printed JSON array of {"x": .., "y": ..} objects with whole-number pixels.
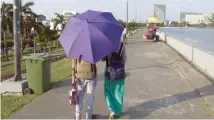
[
  {"x": 207, "y": 18},
  {"x": 194, "y": 18},
  {"x": 197, "y": 18},
  {"x": 67, "y": 15}
]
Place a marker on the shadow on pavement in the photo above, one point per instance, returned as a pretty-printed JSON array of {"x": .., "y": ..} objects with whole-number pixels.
[{"x": 145, "y": 109}]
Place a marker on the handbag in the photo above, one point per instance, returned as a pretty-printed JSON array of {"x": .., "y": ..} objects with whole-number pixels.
[
  {"x": 115, "y": 66},
  {"x": 73, "y": 92}
]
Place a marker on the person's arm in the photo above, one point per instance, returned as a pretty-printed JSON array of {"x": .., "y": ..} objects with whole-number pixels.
[
  {"x": 124, "y": 53},
  {"x": 73, "y": 71}
]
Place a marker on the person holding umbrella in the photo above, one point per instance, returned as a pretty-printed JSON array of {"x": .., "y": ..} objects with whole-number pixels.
[{"x": 86, "y": 39}]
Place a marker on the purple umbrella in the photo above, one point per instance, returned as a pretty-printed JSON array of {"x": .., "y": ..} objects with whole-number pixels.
[{"x": 91, "y": 35}]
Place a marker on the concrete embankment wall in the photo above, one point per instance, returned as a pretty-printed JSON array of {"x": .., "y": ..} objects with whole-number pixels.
[{"x": 202, "y": 59}]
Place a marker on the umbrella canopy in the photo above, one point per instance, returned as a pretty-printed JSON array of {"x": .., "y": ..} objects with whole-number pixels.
[{"x": 91, "y": 35}]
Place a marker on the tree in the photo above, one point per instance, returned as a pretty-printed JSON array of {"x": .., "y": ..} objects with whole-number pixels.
[
  {"x": 46, "y": 38},
  {"x": 35, "y": 26},
  {"x": 6, "y": 23},
  {"x": 173, "y": 24},
  {"x": 182, "y": 24},
  {"x": 212, "y": 22},
  {"x": 202, "y": 25},
  {"x": 59, "y": 20},
  {"x": 26, "y": 11}
]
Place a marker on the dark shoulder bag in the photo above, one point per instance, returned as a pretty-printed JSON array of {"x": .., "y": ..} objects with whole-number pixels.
[{"x": 115, "y": 66}]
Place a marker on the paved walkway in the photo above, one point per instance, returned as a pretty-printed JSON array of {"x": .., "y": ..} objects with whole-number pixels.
[{"x": 160, "y": 84}]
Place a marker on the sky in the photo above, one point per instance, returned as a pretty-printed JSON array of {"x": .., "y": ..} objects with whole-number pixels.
[{"x": 140, "y": 8}]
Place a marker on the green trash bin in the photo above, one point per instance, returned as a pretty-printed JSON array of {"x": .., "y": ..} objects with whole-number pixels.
[{"x": 38, "y": 73}]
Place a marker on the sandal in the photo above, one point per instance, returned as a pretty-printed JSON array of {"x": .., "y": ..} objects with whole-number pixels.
[{"x": 112, "y": 116}]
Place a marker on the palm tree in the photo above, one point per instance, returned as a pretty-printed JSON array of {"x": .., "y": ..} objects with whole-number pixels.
[
  {"x": 26, "y": 11},
  {"x": 6, "y": 22},
  {"x": 46, "y": 38},
  {"x": 32, "y": 24},
  {"x": 59, "y": 20}
]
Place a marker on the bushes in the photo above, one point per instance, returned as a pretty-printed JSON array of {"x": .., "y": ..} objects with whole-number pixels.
[{"x": 9, "y": 44}]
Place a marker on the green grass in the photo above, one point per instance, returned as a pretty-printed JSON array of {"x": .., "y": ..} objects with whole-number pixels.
[
  {"x": 10, "y": 104},
  {"x": 60, "y": 70},
  {"x": 9, "y": 69}
]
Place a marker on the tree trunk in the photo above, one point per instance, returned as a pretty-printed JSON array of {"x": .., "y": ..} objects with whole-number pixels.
[
  {"x": 21, "y": 44},
  {"x": 5, "y": 47},
  {"x": 2, "y": 52}
]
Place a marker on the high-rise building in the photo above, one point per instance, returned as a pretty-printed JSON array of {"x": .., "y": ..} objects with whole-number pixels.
[{"x": 160, "y": 12}]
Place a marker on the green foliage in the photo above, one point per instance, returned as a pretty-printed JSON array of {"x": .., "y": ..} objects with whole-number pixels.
[
  {"x": 201, "y": 25},
  {"x": 212, "y": 22},
  {"x": 174, "y": 24},
  {"x": 30, "y": 43},
  {"x": 59, "y": 20},
  {"x": 9, "y": 44},
  {"x": 183, "y": 24}
]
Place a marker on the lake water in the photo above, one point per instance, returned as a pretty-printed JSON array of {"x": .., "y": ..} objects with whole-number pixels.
[{"x": 200, "y": 37}]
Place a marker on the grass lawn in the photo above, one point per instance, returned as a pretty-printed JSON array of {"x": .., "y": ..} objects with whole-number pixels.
[
  {"x": 9, "y": 69},
  {"x": 60, "y": 70}
]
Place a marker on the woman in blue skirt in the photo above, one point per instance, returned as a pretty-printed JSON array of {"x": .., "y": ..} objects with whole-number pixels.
[{"x": 114, "y": 90}]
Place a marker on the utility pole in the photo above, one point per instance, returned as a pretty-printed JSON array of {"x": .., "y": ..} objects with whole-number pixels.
[
  {"x": 136, "y": 20},
  {"x": 127, "y": 13},
  {"x": 16, "y": 31}
]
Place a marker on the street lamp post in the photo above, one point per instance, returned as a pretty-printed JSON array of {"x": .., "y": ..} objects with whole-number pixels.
[
  {"x": 34, "y": 41},
  {"x": 127, "y": 12},
  {"x": 16, "y": 29}
]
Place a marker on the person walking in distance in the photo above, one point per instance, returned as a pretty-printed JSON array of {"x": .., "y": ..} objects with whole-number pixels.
[
  {"x": 114, "y": 81},
  {"x": 124, "y": 36},
  {"x": 85, "y": 80}
]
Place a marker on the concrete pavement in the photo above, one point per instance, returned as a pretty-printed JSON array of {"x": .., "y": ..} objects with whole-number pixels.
[{"x": 159, "y": 84}]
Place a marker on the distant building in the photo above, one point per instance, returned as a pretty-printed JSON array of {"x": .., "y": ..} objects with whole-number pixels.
[
  {"x": 46, "y": 23},
  {"x": 166, "y": 23},
  {"x": 41, "y": 18},
  {"x": 183, "y": 15},
  {"x": 160, "y": 12},
  {"x": 69, "y": 14},
  {"x": 58, "y": 27},
  {"x": 194, "y": 18},
  {"x": 208, "y": 18}
]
